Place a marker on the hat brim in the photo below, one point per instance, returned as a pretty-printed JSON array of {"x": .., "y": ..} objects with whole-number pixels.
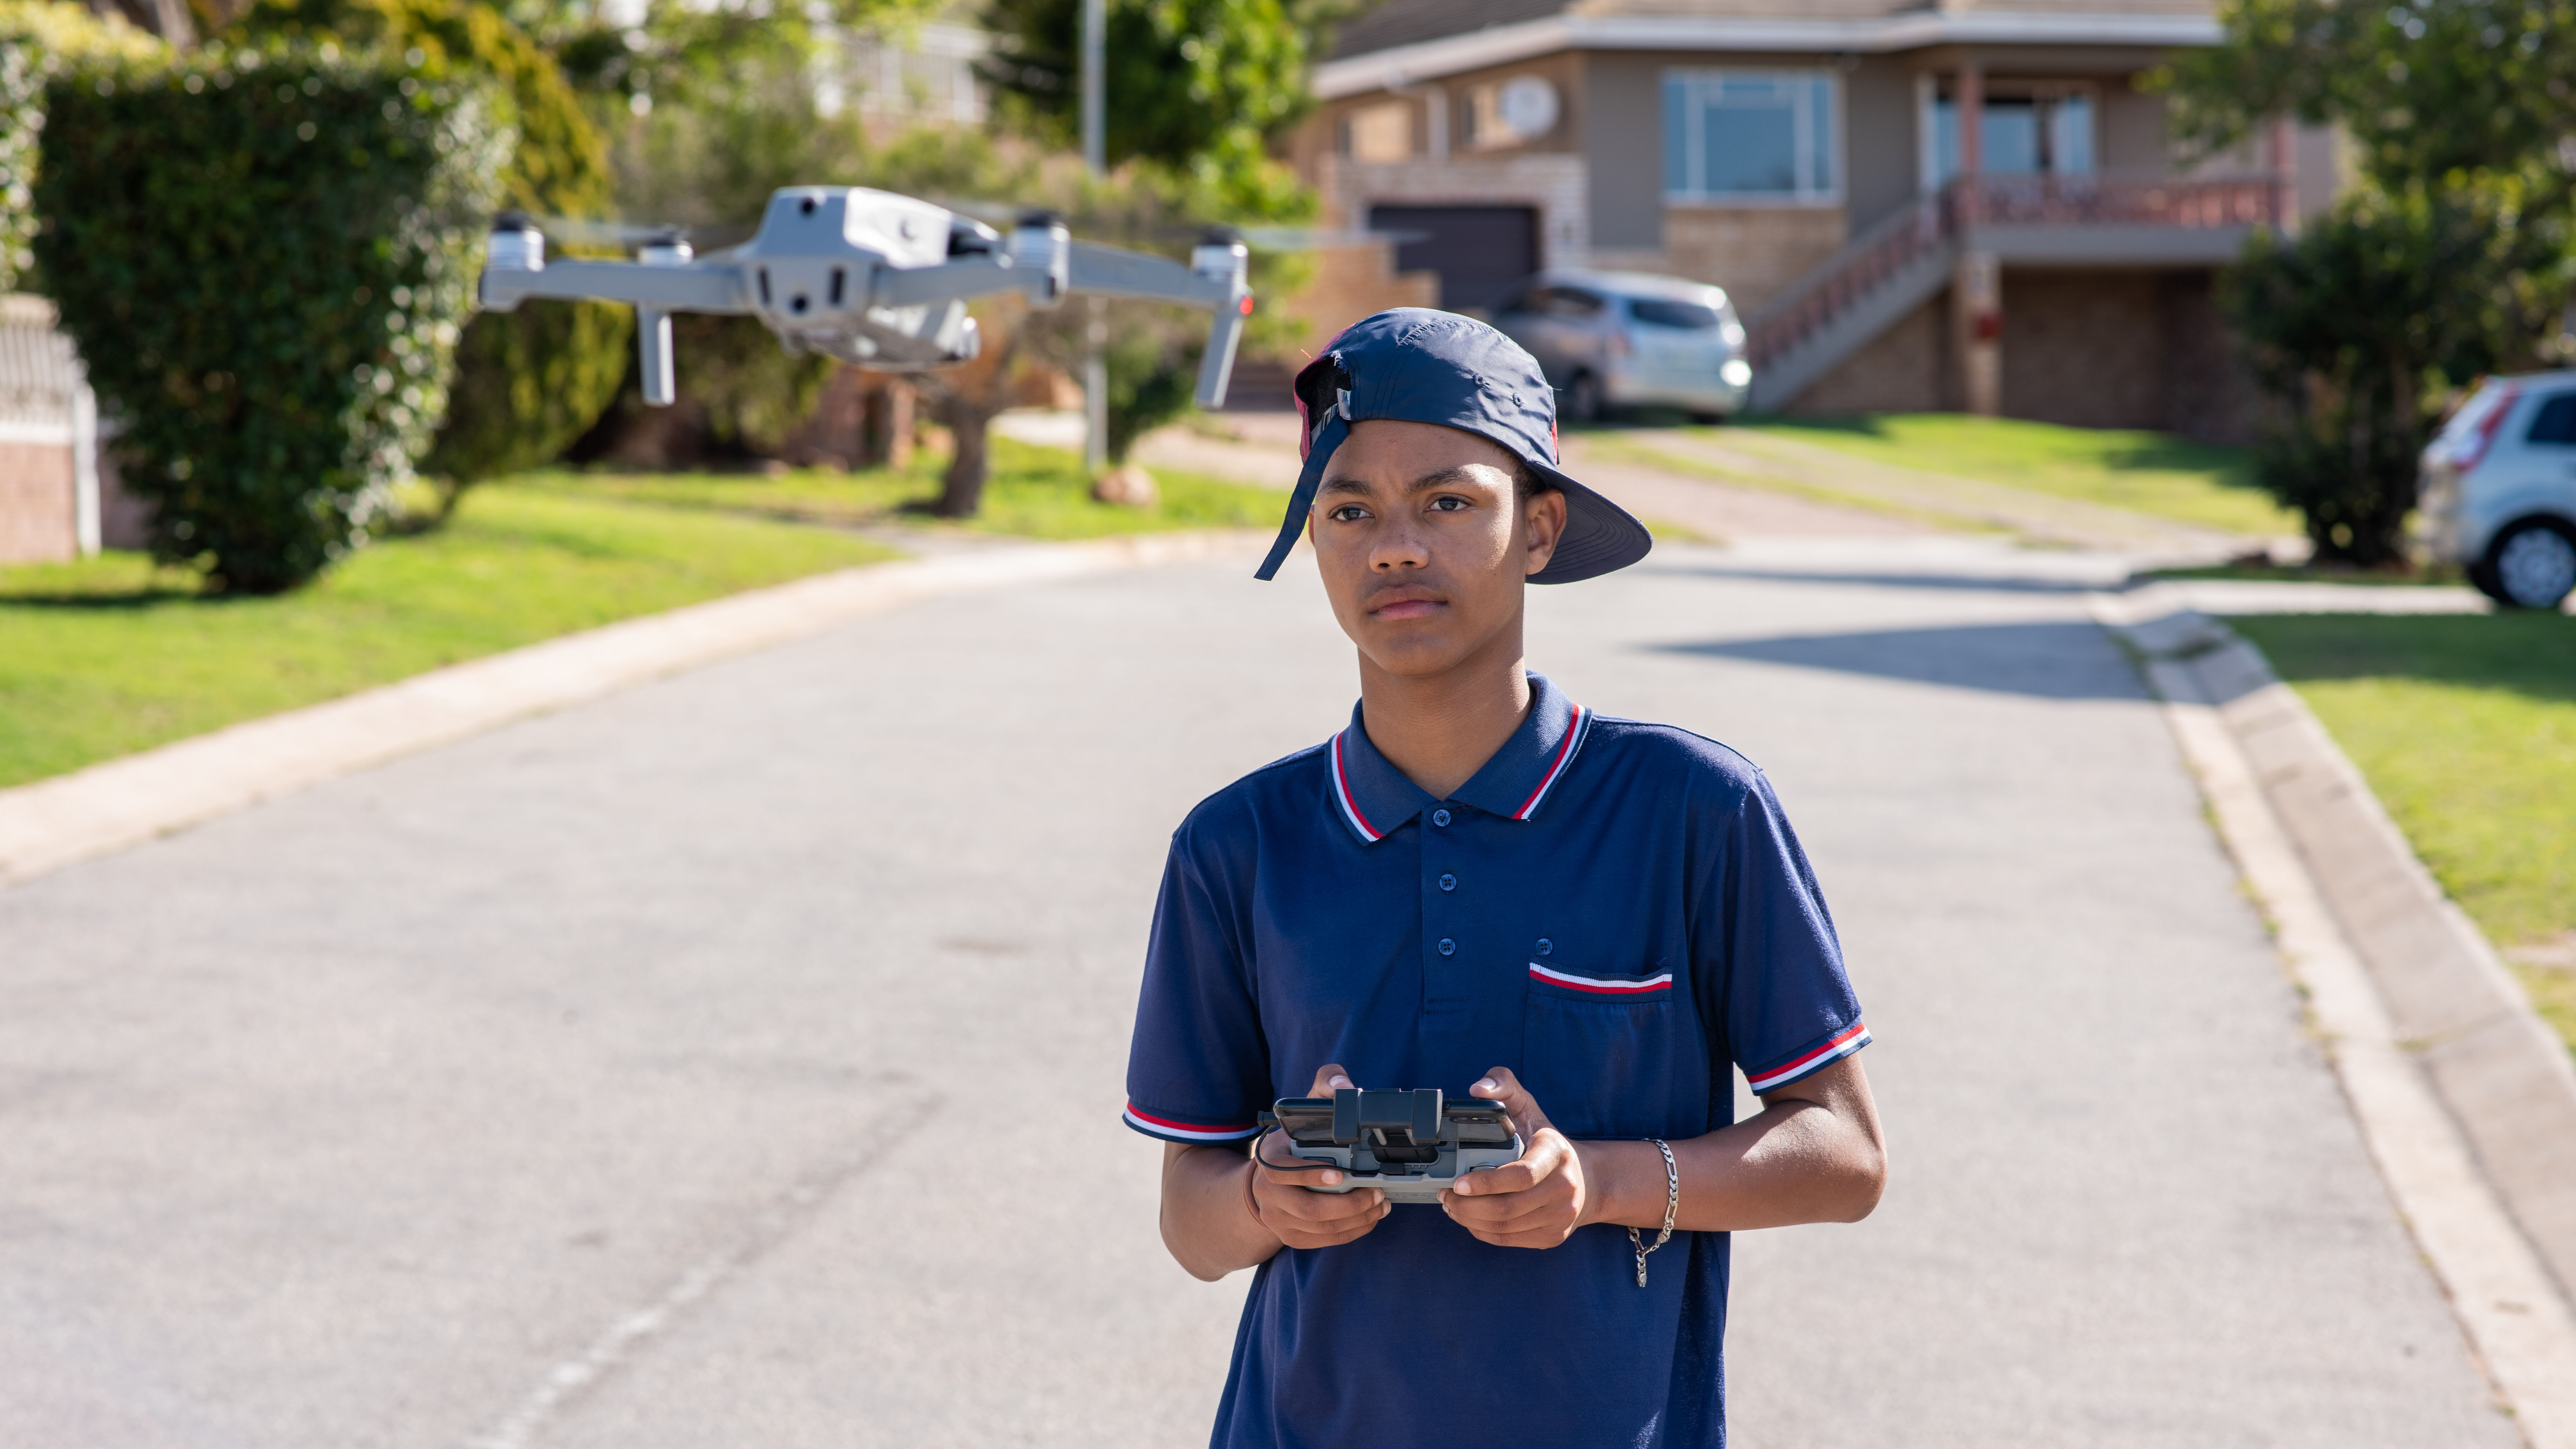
[{"x": 1600, "y": 536}]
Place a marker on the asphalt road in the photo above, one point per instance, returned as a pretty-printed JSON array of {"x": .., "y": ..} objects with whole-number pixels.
[{"x": 737, "y": 1060}]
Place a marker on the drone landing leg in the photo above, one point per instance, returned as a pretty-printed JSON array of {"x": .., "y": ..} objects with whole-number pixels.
[{"x": 653, "y": 352}]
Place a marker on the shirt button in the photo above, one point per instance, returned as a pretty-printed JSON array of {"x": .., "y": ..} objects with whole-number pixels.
[
  {"x": 1448, "y": 882},
  {"x": 1439, "y": 817},
  {"x": 1448, "y": 947},
  {"x": 1546, "y": 947}
]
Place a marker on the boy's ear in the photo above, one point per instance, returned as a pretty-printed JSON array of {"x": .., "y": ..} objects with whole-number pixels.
[{"x": 1543, "y": 518}]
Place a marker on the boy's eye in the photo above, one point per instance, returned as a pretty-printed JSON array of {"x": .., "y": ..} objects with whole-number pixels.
[
  {"x": 1448, "y": 503},
  {"x": 1347, "y": 513}
]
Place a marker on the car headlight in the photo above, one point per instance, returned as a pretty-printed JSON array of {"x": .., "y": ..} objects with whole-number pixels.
[{"x": 1737, "y": 372}]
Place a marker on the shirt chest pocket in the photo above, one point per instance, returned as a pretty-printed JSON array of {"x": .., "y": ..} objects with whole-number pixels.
[{"x": 1599, "y": 1051}]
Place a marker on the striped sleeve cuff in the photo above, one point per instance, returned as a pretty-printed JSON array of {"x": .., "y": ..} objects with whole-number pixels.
[
  {"x": 1807, "y": 1063},
  {"x": 1172, "y": 1129}
]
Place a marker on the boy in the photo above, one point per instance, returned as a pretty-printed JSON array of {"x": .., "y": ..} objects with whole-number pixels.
[{"x": 1480, "y": 885}]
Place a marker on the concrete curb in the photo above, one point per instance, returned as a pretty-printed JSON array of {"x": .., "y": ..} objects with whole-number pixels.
[
  {"x": 124, "y": 802},
  {"x": 2465, "y": 1097}
]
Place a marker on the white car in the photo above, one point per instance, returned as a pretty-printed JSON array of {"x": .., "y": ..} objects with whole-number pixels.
[
  {"x": 1617, "y": 339},
  {"x": 2498, "y": 489}
]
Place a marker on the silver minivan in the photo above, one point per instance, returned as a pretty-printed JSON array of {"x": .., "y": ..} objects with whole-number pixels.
[
  {"x": 1618, "y": 339},
  {"x": 2498, "y": 489}
]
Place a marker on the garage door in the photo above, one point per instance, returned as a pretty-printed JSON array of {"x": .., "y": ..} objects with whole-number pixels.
[{"x": 1477, "y": 250}]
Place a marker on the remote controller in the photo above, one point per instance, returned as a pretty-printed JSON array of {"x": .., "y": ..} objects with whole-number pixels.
[{"x": 1408, "y": 1144}]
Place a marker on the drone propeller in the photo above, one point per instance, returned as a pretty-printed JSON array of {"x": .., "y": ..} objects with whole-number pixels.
[
  {"x": 1323, "y": 239},
  {"x": 1265, "y": 238}
]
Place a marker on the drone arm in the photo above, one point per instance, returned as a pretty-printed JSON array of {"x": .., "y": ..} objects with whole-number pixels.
[
  {"x": 688, "y": 288},
  {"x": 961, "y": 280},
  {"x": 1113, "y": 272}
]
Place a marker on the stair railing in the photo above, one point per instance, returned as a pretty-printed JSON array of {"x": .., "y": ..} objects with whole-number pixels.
[{"x": 1850, "y": 274}]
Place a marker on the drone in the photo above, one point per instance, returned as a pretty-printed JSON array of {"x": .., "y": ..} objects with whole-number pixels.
[{"x": 872, "y": 278}]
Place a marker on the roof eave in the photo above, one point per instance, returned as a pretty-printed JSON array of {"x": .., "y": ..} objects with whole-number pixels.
[{"x": 1402, "y": 65}]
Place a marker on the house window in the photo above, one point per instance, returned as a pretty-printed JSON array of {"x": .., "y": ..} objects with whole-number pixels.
[
  {"x": 1750, "y": 135},
  {"x": 1382, "y": 132},
  {"x": 2035, "y": 130}
]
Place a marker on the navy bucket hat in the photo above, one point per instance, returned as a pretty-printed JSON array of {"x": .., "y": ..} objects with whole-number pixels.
[{"x": 1416, "y": 365}]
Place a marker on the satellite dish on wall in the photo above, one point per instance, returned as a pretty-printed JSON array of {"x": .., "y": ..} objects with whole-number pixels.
[{"x": 1527, "y": 107}]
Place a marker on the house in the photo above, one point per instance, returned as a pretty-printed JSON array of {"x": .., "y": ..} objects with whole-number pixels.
[
  {"x": 1962, "y": 206},
  {"x": 51, "y": 505}
]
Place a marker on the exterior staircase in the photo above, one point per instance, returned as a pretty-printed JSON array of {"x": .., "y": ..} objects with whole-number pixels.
[{"x": 1908, "y": 257}]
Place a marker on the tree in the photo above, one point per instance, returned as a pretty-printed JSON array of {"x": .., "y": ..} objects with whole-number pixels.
[
  {"x": 2449, "y": 260},
  {"x": 2427, "y": 90},
  {"x": 1196, "y": 90},
  {"x": 1196, "y": 86},
  {"x": 1152, "y": 349}
]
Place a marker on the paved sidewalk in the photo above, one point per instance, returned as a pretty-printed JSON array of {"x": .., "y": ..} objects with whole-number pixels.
[{"x": 736, "y": 1060}]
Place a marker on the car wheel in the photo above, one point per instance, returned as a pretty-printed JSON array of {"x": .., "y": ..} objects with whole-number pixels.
[
  {"x": 2534, "y": 565},
  {"x": 1583, "y": 400}
]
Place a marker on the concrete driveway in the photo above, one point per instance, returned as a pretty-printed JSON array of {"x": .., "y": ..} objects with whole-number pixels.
[{"x": 737, "y": 1060}]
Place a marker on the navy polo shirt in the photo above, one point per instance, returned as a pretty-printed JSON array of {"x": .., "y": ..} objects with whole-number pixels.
[{"x": 1613, "y": 910}]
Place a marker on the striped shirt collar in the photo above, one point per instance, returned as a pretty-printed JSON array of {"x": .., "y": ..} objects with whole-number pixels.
[{"x": 1374, "y": 798}]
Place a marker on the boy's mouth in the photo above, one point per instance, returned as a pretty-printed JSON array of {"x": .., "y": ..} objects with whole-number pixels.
[{"x": 1407, "y": 601}]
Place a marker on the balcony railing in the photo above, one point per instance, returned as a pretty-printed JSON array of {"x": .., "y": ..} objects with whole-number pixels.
[
  {"x": 1897, "y": 241},
  {"x": 2117, "y": 201}
]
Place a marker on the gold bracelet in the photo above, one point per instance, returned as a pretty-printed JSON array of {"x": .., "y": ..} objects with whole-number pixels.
[{"x": 1672, "y": 1205}]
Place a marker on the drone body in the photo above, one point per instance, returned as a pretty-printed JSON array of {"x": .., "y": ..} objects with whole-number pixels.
[{"x": 870, "y": 277}]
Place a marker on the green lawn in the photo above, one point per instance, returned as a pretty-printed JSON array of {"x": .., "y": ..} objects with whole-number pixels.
[
  {"x": 108, "y": 656},
  {"x": 2466, "y": 729},
  {"x": 1032, "y": 492},
  {"x": 105, "y": 657},
  {"x": 2150, "y": 473}
]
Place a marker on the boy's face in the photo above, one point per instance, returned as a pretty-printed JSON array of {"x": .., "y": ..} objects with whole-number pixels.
[{"x": 1423, "y": 550}]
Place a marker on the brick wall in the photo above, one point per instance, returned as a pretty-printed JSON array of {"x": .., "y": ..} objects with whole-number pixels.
[
  {"x": 2209, "y": 394},
  {"x": 1351, "y": 283},
  {"x": 38, "y": 523},
  {"x": 2083, "y": 348},
  {"x": 2093, "y": 349},
  {"x": 1905, "y": 369},
  {"x": 1752, "y": 251}
]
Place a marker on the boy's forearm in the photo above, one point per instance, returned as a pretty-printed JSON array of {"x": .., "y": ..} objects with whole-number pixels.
[
  {"x": 1813, "y": 1158},
  {"x": 1208, "y": 1222}
]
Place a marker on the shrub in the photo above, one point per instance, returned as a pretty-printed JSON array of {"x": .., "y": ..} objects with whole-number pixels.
[
  {"x": 2357, "y": 328},
  {"x": 38, "y": 38},
  {"x": 265, "y": 255},
  {"x": 531, "y": 381}
]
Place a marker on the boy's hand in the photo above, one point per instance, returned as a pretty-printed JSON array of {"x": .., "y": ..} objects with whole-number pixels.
[
  {"x": 1536, "y": 1202},
  {"x": 1303, "y": 1219}
]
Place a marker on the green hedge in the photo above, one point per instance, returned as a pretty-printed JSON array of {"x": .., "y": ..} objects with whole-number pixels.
[
  {"x": 38, "y": 38},
  {"x": 527, "y": 382},
  {"x": 265, "y": 255}
]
